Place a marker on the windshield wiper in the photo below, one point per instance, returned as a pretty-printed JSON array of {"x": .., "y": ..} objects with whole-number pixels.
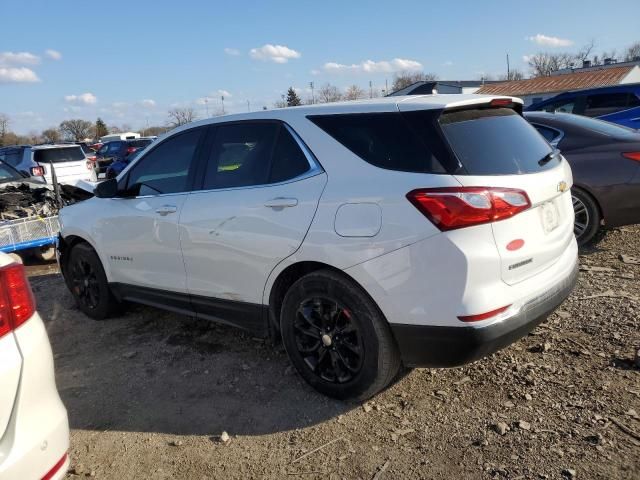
[{"x": 548, "y": 157}]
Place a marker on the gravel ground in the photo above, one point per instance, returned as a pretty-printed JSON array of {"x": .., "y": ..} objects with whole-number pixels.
[{"x": 150, "y": 394}]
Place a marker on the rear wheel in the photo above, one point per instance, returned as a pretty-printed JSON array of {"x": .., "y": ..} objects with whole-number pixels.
[
  {"x": 88, "y": 283},
  {"x": 587, "y": 216},
  {"x": 337, "y": 338}
]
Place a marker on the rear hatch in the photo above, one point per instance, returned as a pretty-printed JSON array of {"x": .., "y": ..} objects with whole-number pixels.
[
  {"x": 67, "y": 161},
  {"x": 495, "y": 147}
]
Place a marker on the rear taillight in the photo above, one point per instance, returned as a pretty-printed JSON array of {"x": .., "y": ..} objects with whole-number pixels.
[
  {"x": 131, "y": 150},
  {"x": 632, "y": 156},
  {"x": 37, "y": 171},
  {"x": 17, "y": 303},
  {"x": 458, "y": 207}
]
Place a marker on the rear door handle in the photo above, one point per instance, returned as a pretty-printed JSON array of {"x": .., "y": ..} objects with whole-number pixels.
[
  {"x": 281, "y": 202},
  {"x": 166, "y": 209}
]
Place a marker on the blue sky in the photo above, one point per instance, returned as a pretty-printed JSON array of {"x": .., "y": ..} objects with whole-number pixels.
[{"x": 129, "y": 62}]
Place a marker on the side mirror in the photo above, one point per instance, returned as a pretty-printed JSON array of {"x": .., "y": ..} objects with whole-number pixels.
[{"x": 106, "y": 189}]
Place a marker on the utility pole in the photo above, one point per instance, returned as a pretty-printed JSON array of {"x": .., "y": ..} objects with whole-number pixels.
[
  {"x": 284, "y": 103},
  {"x": 386, "y": 87},
  {"x": 248, "y": 106},
  {"x": 508, "y": 72},
  {"x": 206, "y": 105},
  {"x": 313, "y": 100},
  {"x": 222, "y": 98},
  {"x": 370, "y": 89}
]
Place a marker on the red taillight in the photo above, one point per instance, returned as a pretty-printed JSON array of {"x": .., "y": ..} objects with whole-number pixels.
[
  {"x": 483, "y": 316},
  {"x": 37, "y": 171},
  {"x": 632, "y": 156},
  {"x": 458, "y": 207},
  {"x": 131, "y": 150},
  {"x": 17, "y": 303},
  {"x": 56, "y": 468}
]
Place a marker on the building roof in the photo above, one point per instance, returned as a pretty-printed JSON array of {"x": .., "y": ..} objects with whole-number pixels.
[{"x": 559, "y": 83}]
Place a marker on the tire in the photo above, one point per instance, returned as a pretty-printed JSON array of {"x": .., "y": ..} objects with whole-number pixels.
[
  {"x": 337, "y": 338},
  {"x": 45, "y": 254},
  {"x": 587, "y": 216},
  {"x": 88, "y": 283}
]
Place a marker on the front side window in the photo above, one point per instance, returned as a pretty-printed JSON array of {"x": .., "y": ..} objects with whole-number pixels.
[{"x": 165, "y": 169}]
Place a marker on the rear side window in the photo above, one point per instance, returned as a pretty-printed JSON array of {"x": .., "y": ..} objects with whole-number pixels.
[
  {"x": 58, "y": 155},
  {"x": 288, "y": 159},
  {"x": 240, "y": 155},
  {"x": 495, "y": 141},
  {"x": 603, "y": 104},
  {"x": 385, "y": 140}
]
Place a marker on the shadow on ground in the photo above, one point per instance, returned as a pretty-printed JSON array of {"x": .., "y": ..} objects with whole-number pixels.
[{"x": 153, "y": 371}]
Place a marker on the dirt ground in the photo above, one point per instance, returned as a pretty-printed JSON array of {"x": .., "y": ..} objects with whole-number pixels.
[{"x": 149, "y": 395}]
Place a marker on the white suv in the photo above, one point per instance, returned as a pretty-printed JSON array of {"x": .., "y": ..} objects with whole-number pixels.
[
  {"x": 69, "y": 161},
  {"x": 34, "y": 430},
  {"x": 416, "y": 231}
]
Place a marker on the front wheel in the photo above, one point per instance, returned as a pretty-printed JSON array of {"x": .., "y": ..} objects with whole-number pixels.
[
  {"x": 337, "y": 338},
  {"x": 587, "y": 216},
  {"x": 88, "y": 283}
]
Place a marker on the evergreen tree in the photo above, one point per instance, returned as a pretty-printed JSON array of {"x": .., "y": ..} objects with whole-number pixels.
[
  {"x": 293, "y": 100},
  {"x": 101, "y": 128}
]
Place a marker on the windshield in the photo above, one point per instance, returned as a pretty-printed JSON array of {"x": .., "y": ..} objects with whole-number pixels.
[
  {"x": 496, "y": 141},
  {"x": 59, "y": 155},
  {"x": 8, "y": 174}
]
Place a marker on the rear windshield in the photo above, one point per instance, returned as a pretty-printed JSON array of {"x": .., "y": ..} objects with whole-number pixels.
[
  {"x": 599, "y": 126},
  {"x": 58, "y": 155},
  {"x": 138, "y": 143},
  {"x": 495, "y": 141}
]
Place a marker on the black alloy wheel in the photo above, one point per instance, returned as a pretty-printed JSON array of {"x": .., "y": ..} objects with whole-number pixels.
[
  {"x": 587, "y": 216},
  {"x": 328, "y": 340},
  {"x": 85, "y": 286}
]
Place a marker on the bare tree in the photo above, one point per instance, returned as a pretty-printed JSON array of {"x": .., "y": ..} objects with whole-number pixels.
[
  {"x": 513, "y": 74},
  {"x": 4, "y": 129},
  {"x": 76, "y": 129},
  {"x": 404, "y": 79},
  {"x": 329, "y": 93},
  {"x": 51, "y": 135},
  {"x": 354, "y": 92},
  {"x": 585, "y": 51},
  {"x": 632, "y": 52},
  {"x": 542, "y": 64},
  {"x": 181, "y": 116}
]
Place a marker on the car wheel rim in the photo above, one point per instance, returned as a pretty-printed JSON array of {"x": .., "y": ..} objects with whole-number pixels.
[
  {"x": 328, "y": 340},
  {"x": 582, "y": 218},
  {"x": 85, "y": 283}
]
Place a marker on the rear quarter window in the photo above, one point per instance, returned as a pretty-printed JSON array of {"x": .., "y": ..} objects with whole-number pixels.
[
  {"x": 495, "y": 141},
  {"x": 385, "y": 140}
]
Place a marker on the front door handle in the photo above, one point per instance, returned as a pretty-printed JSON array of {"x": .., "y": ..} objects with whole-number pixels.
[
  {"x": 166, "y": 209},
  {"x": 281, "y": 202}
]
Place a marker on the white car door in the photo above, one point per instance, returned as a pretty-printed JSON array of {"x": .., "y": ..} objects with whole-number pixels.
[
  {"x": 260, "y": 191},
  {"x": 138, "y": 231}
]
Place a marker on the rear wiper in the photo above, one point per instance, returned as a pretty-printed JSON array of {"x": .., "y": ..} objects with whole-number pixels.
[{"x": 548, "y": 157}]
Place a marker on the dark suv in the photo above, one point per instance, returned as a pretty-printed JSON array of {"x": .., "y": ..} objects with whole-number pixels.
[
  {"x": 117, "y": 151},
  {"x": 619, "y": 104}
]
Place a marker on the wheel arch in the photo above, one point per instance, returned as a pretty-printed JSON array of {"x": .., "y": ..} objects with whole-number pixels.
[
  {"x": 67, "y": 242},
  {"x": 291, "y": 274}
]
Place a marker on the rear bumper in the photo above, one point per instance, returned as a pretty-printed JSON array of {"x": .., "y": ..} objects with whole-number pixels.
[{"x": 448, "y": 346}]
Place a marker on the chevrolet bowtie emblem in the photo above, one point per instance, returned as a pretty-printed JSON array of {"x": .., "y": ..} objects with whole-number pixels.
[{"x": 562, "y": 187}]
